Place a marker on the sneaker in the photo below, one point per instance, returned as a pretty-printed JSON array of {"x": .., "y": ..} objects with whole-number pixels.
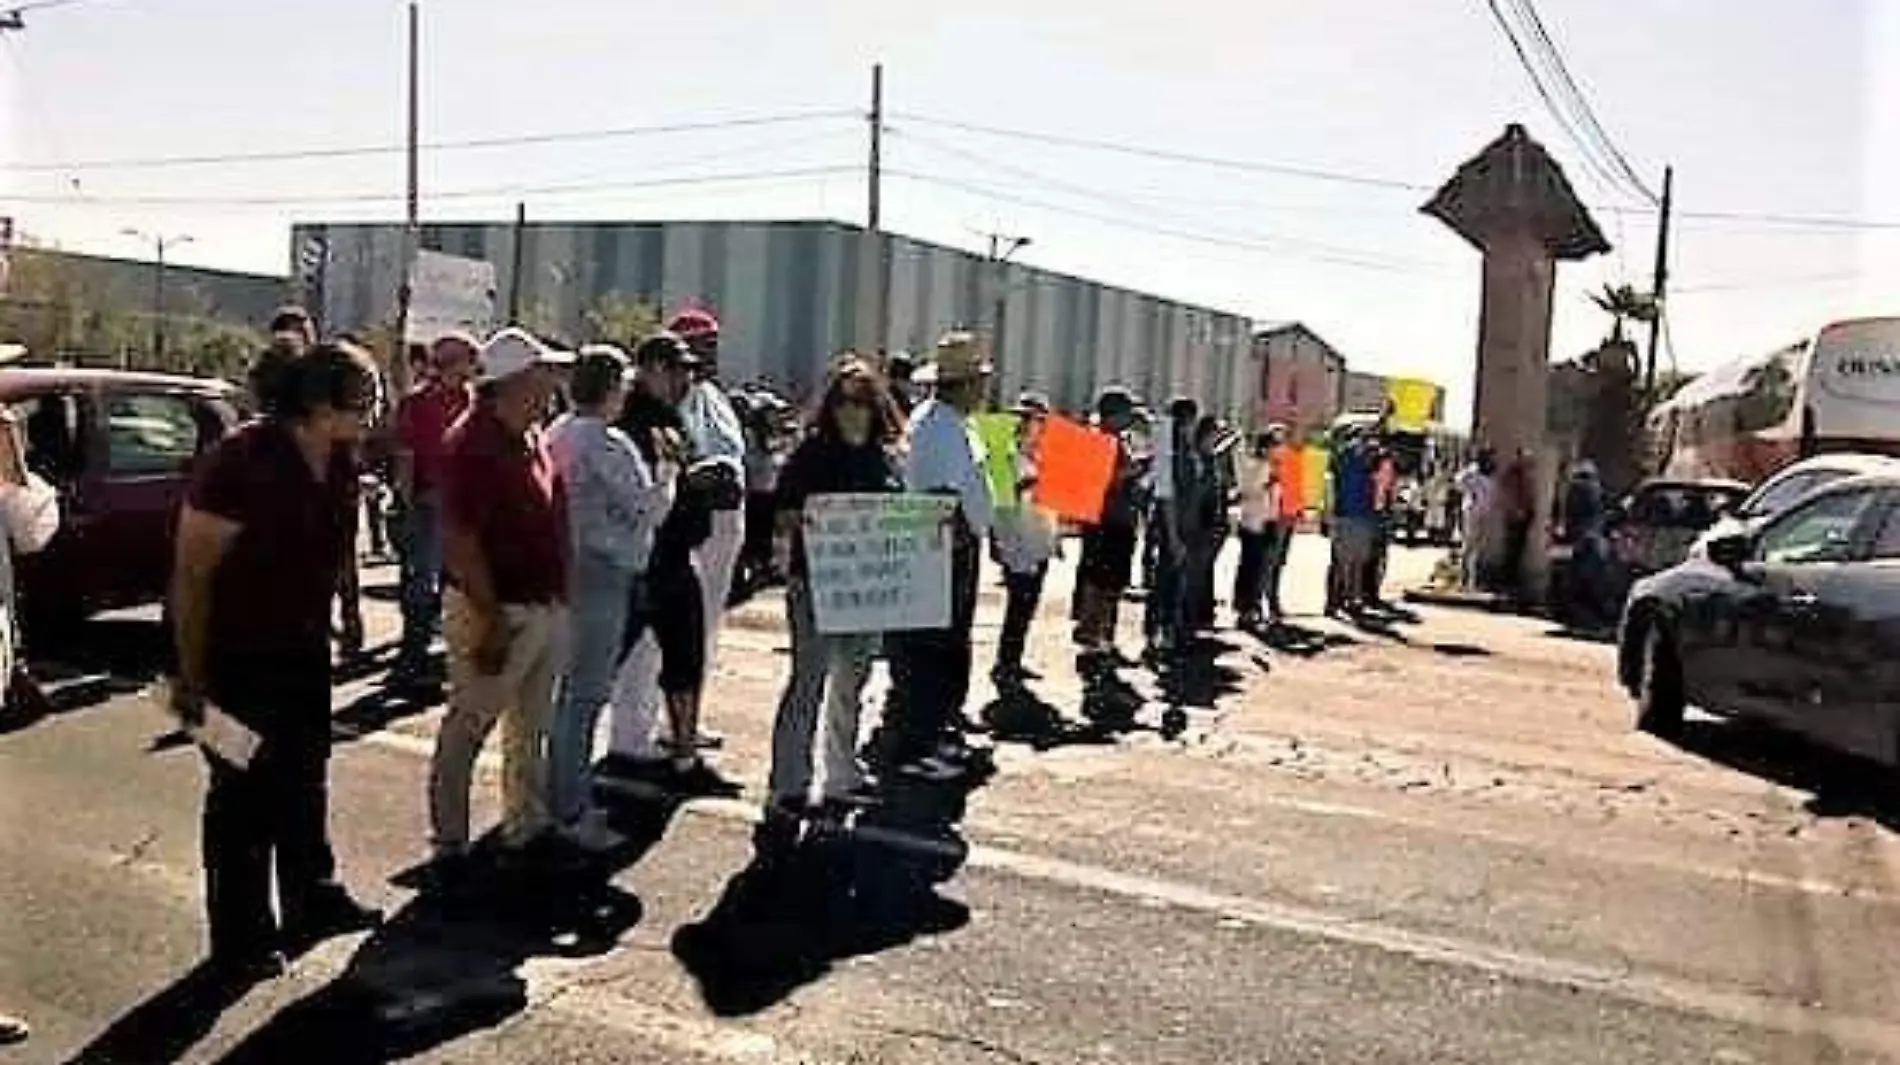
[
  {"x": 13, "y": 1030},
  {"x": 591, "y": 833},
  {"x": 932, "y": 768}
]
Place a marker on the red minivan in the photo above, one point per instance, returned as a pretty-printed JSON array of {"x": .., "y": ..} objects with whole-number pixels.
[{"x": 119, "y": 447}]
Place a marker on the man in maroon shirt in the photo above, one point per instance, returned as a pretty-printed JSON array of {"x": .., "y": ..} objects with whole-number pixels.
[
  {"x": 262, "y": 536},
  {"x": 504, "y": 610},
  {"x": 423, "y": 420}
]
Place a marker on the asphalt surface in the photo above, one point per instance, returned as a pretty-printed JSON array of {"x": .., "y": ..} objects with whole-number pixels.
[{"x": 1434, "y": 840}]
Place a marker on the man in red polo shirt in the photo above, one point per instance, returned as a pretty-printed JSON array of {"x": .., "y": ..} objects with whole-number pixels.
[
  {"x": 422, "y": 424},
  {"x": 504, "y": 610}
]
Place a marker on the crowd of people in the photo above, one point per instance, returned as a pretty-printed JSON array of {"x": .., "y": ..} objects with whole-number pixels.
[{"x": 571, "y": 528}]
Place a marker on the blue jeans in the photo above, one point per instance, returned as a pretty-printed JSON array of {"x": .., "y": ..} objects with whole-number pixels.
[
  {"x": 599, "y": 595},
  {"x": 421, "y": 577}
]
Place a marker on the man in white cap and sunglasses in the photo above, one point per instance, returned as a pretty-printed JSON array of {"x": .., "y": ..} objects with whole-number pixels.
[{"x": 505, "y": 613}]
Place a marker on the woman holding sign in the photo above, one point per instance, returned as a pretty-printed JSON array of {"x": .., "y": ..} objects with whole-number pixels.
[{"x": 848, "y": 450}]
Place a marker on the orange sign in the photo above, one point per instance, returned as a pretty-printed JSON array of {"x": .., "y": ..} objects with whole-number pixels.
[{"x": 1074, "y": 466}]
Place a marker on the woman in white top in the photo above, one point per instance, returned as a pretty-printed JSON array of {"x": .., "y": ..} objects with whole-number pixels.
[
  {"x": 29, "y": 512},
  {"x": 1260, "y": 530}
]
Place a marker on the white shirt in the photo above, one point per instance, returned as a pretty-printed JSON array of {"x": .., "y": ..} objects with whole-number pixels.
[
  {"x": 946, "y": 455},
  {"x": 615, "y": 503},
  {"x": 1476, "y": 490},
  {"x": 1161, "y": 475},
  {"x": 29, "y": 516},
  {"x": 1259, "y": 493},
  {"x": 712, "y": 426}
]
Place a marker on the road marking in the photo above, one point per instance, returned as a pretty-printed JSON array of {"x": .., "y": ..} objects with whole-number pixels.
[{"x": 1643, "y": 988}]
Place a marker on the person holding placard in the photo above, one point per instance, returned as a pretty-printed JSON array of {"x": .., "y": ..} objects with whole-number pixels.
[
  {"x": 265, "y": 528},
  {"x": 1110, "y": 544},
  {"x": 1026, "y": 539},
  {"x": 931, "y": 668},
  {"x": 848, "y": 450}
]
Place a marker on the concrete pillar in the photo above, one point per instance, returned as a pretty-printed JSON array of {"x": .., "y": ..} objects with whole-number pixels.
[{"x": 1512, "y": 380}]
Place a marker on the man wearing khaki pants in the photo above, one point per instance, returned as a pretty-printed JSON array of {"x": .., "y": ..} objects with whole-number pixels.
[{"x": 504, "y": 611}]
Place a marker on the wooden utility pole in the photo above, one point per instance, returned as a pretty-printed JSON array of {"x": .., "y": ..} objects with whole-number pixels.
[
  {"x": 412, "y": 228},
  {"x": 1659, "y": 286},
  {"x": 874, "y": 212}
]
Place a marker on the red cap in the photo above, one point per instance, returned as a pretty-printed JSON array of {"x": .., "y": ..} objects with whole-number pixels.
[{"x": 694, "y": 322}]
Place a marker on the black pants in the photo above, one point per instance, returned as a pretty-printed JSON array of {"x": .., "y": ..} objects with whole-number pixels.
[
  {"x": 667, "y": 600},
  {"x": 1025, "y": 596},
  {"x": 1250, "y": 580},
  {"x": 930, "y": 669},
  {"x": 273, "y": 814}
]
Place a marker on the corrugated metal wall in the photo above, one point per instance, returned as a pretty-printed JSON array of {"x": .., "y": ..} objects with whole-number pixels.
[{"x": 791, "y": 294}]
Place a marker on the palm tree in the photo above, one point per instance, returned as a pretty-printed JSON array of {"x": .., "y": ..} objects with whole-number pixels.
[{"x": 1623, "y": 303}]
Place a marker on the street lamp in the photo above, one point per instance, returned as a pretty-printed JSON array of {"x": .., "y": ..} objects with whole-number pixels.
[{"x": 159, "y": 243}]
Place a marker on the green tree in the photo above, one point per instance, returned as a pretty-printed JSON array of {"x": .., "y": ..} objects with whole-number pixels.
[
  {"x": 1623, "y": 303},
  {"x": 616, "y": 318}
]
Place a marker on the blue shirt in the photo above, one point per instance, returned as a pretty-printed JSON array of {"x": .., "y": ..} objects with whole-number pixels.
[{"x": 1354, "y": 491}]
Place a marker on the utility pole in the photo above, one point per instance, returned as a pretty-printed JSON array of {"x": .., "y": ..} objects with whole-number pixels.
[
  {"x": 874, "y": 211},
  {"x": 412, "y": 229},
  {"x": 514, "y": 270},
  {"x": 1659, "y": 286},
  {"x": 1002, "y": 246},
  {"x": 159, "y": 243}
]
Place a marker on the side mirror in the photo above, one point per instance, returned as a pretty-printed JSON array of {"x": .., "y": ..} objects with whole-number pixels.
[{"x": 1731, "y": 551}]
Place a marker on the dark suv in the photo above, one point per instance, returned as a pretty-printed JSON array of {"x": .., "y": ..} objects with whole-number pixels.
[{"x": 119, "y": 447}]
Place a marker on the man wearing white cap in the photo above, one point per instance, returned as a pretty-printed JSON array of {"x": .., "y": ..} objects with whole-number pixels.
[{"x": 505, "y": 607}]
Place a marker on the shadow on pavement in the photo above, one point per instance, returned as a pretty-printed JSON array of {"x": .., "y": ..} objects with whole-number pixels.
[
  {"x": 1195, "y": 677},
  {"x": 165, "y": 1027},
  {"x": 1605, "y": 634},
  {"x": 88, "y": 663},
  {"x": 445, "y": 966},
  {"x": 1019, "y": 715},
  {"x": 796, "y": 909},
  {"x": 1838, "y": 785}
]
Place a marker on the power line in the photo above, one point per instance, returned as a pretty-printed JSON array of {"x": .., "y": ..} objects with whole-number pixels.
[
  {"x": 1581, "y": 107},
  {"x": 1067, "y": 141},
  {"x": 1238, "y": 244},
  {"x": 1124, "y": 203},
  {"x": 350, "y": 151},
  {"x": 494, "y": 191},
  {"x": 1558, "y": 113}
]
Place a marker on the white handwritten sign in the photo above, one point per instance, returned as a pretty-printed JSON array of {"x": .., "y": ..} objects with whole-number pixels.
[
  {"x": 447, "y": 292},
  {"x": 879, "y": 563}
]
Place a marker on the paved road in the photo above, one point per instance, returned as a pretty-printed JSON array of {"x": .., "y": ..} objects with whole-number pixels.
[{"x": 1433, "y": 842}]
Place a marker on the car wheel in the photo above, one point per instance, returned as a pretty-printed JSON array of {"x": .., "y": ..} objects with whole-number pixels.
[{"x": 1659, "y": 698}]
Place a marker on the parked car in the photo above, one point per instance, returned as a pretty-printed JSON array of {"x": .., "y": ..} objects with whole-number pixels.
[
  {"x": 1796, "y": 623},
  {"x": 1657, "y": 524},
  {"x": 119, "y": 447},
  {"x": 1787, "y": 485}
]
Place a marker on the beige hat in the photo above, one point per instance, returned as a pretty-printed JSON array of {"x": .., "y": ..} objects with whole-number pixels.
[{"x": 960, "y": 356}]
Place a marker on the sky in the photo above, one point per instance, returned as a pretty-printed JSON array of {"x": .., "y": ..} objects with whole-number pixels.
[{"x": 1765, "y": 108}]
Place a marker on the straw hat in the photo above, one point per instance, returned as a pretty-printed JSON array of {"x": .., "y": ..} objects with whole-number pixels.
[{"x": 960, "y": 356}]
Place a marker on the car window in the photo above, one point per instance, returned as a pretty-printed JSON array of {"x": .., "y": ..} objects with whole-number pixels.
[
  {"x": 1819, "y": 531},
  {"x": 53, "y": 427},
  {"x": 1887, "y": 540},
  {"x": 1777, "y": 496},
  {"x": 149, "y": 433}
]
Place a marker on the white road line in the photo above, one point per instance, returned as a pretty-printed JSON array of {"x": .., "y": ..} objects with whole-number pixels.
[{"x": 1650, "y": 989}]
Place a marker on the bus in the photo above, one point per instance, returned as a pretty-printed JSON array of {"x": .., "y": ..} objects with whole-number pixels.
[{"x": 1839, "y": 391}]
